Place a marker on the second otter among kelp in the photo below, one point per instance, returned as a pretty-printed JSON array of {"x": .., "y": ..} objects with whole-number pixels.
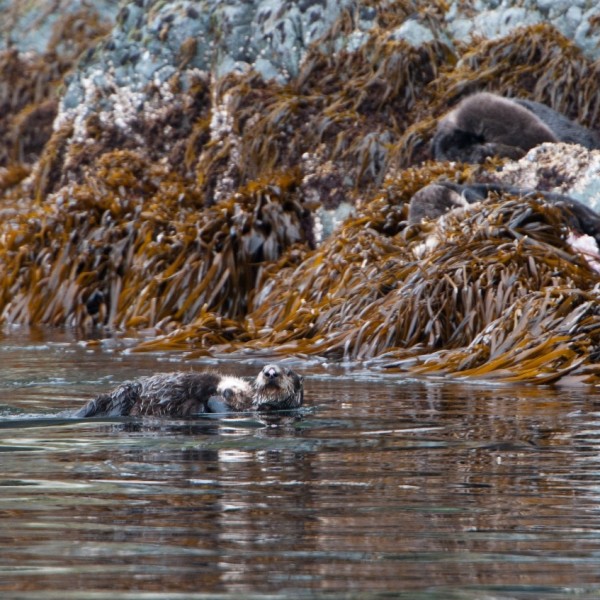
[
  {"x": 436, "y": 199},
  {"x": 184, "y": 394},
  {"x": 484, "y": 125}
]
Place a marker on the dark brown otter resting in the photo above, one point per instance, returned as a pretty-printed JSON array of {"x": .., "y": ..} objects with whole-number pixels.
[
  {"x": 484, "y": 125},
  {"x": 183, "y": 394}
]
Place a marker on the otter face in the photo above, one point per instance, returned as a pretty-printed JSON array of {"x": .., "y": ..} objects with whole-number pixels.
[
  {"x": 277, "y": 388},
  {"x": 234, "y": 386}
]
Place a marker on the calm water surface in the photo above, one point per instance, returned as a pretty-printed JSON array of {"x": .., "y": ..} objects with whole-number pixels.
[{"x": 382, "y": 487}]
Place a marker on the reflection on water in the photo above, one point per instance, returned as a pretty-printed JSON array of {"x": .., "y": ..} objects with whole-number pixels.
[{"x": 382, "y": 487}]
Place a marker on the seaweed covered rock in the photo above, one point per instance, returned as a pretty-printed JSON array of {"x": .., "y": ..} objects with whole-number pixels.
[
  {"x": 487, "y": 263},
  {"x": 544, "y": 337},
  {"x": 135, "y": 252},
  {"x": 226, "y": 177},
  {"x": 39, "y": 44}
]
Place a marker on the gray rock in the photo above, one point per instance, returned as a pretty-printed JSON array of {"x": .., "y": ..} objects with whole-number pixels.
[
  {"x": 413, "y": 32},
  {"x": 270, "y": 36},
  {"x": 563, "y": 168},
  {"x": 28, "y": 26},
  {"x": 492, "y": 23},
  {"x": 493, "y": 19}
]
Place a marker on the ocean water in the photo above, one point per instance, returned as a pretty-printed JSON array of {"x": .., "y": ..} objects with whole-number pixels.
[{"x": 380, "y": 487}]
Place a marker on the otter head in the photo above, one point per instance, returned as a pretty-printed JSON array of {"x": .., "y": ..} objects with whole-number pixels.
[{"x": 277, "y": 388}]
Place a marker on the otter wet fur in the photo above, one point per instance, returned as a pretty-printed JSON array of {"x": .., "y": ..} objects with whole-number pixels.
[
  {"x": 485, "y": 124},
  {"x": 184, "y": 394}
]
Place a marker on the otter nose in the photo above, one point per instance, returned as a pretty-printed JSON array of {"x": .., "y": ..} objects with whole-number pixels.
[{"x": 271, "y": 373}]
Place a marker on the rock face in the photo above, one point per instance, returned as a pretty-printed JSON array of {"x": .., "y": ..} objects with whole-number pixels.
[
  {"x": 563, "y": 168},
  {"x": 576, "y": 20},
  {"x": 218, "y": 176},
  {"x": 154, "y": 41},
  {"x": 37, "y": 26}
]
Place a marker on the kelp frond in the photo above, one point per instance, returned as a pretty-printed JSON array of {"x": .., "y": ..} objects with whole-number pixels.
[
  {"x": 365, "y": 296},
  {"x": 541, "y": 338}
]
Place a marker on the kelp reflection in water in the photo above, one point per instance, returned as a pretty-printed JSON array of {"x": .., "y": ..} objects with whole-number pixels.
[{"x": 381, "y": 485}]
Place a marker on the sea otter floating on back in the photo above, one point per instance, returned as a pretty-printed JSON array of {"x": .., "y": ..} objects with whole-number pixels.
[
  {"x": 184, "y": 394},
  {"x": 486, "y": 124}
]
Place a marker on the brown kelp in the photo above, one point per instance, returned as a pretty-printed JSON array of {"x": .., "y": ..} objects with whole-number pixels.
[
  {"x": 482, "y": 265},
  {"x": 367, "y": 296},
  {"x": 191, "y": 216},
  {"x": 136, "y": 253},
  {"x": 543, "y": 337}
]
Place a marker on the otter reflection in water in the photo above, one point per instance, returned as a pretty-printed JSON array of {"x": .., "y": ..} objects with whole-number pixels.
[{"x": 188, "y": 393}]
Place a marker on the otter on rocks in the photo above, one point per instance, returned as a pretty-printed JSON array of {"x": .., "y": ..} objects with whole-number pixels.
[
  {"x": 486, "y": 124},
  {"x": 183, "y": 394},
  {"x": 437, "y": 199}
]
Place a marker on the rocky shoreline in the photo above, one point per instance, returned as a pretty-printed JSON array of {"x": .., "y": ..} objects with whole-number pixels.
[{"x": 225, "y": 178}]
